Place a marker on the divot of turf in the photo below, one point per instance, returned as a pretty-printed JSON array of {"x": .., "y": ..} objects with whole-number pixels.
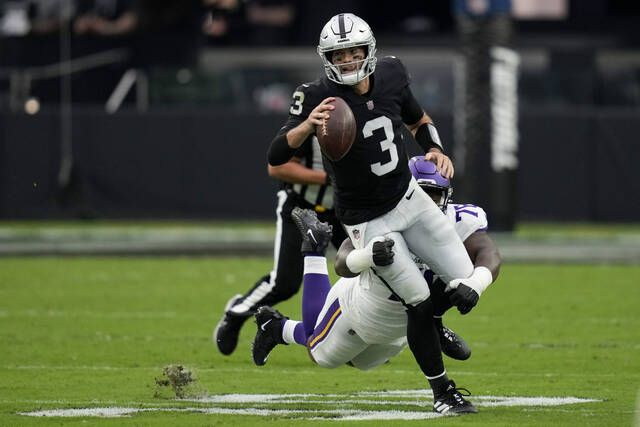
[{"x": 180, "y": 380}]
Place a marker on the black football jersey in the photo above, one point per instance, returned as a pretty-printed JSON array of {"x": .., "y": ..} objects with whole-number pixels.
[
  {"x": 372, "y": 177},
  {"x": 310, "y": 156}
]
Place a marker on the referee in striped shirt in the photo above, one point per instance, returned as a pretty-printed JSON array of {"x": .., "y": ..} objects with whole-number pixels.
[{"x": 305, "y": 184}]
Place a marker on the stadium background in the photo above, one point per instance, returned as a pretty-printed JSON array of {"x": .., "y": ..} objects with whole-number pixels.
[
  {"x": 171, "y": 119},
  {"x": 150, "y": 139}
]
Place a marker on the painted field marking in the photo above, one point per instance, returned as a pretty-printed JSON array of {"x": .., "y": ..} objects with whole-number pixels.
[{"x": 343, "y": 407}]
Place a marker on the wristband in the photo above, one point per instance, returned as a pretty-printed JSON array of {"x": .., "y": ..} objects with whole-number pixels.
[
  {"x": 482, "y": 278},
  {"x": 359, "y": 260}
]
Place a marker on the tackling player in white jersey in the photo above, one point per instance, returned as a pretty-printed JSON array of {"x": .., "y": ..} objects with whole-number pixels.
[{"x": 360, "y": 321}]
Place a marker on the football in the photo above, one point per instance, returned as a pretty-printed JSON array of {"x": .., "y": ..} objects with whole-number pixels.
[{"x": 336, "y": 135}]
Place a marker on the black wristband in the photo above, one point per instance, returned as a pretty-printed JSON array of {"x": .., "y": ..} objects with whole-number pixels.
[
  {"x": 427, "y": 137},
  {"x": 279, "y": 150}
]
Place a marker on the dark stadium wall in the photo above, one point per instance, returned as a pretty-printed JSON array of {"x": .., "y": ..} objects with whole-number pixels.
[
  {"x": 579, "y": 164},
  {"x": 160, "y": 165},
  {"x": 574, "y": 165}
]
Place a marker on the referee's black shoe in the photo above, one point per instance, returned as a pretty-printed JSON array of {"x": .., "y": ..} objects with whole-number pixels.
[
  {"x": 226, "y": 333},
  {"x": 316, "y": 235}
]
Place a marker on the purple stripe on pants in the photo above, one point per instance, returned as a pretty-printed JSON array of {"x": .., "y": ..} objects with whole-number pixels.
[{"x": 322, "y": 330}]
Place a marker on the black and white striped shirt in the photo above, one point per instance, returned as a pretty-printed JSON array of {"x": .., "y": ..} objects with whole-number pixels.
[{"x": 319, "y": 196}]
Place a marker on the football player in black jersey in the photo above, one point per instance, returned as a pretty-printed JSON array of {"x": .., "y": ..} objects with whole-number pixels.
[
  {"x": 374, "y": 190},
  {"x": 305, "y": 185}
]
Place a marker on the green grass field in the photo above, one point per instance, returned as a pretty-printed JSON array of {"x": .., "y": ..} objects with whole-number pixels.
[{"x": 96, "y": 332}]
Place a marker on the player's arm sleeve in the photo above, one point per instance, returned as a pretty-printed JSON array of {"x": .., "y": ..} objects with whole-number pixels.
[
  {"x": 279, "y": 151},
  {"x": 412, "y": 114},
  {"x": 411, "y": 111}
]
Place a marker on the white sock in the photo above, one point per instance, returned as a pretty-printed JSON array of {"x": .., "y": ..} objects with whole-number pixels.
[
  {"x": 315, "y": 265},
  {"x": 287, "y": 331}
]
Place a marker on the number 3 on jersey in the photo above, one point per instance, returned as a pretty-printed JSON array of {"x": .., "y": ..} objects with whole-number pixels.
[
  {"x": 369, "y": 128},
  {"x": 296, "y": 105},
  {"x": 386, "y": 144}
]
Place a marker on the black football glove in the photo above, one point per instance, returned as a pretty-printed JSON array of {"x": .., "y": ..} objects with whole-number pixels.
[
  {"x": 464, "y": 298},
  {"x": 382, "y": 252}
]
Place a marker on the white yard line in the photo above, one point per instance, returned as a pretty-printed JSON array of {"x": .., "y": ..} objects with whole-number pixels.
[{"x": 340, "y": 407}]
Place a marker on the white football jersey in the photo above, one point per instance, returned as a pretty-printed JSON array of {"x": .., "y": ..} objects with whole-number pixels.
[
  {"x": 467, "y": 219},
  {"x": 376, "y": 316}
]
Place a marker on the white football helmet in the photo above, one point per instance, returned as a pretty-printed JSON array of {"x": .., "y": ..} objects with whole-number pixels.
[{"x": 343, "y": 31}]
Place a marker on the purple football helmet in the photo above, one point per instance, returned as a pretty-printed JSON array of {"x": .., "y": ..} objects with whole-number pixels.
[{"x": 430, "y": 180}]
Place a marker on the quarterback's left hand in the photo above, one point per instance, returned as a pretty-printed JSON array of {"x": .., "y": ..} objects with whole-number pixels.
[
  {"x": 464, "y": 298},
  {"x": 442, "y": 161}
]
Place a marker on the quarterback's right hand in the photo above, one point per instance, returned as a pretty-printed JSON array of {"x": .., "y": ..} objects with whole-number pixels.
[
  {"x": 319, "y": 114},
  {"x": 383, "y": 252}
]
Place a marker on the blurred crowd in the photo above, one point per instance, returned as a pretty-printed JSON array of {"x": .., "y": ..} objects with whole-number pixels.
[
  {"x": 156, "y": 36},
  {"x": 289, "y": 22},
  {"x": 151, "y": 34},
  {"x": 106, "y": 18},
  {"x": 223, "y": 22}
]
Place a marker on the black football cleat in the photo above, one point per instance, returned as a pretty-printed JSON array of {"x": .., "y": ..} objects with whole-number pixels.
[
  {"x": 452, "y": 402},
  {"x": 452, "y": 344},
  {"x": 316, "y": 235},
  {"x": 226, "y": 333},
  {"x": 269, "y": 335}
]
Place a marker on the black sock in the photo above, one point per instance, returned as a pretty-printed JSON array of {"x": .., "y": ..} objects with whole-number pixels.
[
  {"x": 439, "y": 385},
  {"x": 440, "y": 299},
  {"x": 437, "y": 321},
  {"x": 423, "y": 339}
]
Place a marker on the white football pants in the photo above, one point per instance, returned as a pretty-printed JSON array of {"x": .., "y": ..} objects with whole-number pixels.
[
  {"x": 418, "y": 226},
  {"x": 338, "y": 343}
]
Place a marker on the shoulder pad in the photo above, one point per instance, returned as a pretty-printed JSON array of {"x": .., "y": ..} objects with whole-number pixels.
[
  {"x": 467, "y": 219},
  {"x": 395, "y": 65}
]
